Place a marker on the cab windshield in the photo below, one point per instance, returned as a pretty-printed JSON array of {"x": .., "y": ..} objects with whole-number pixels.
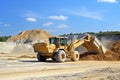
[{"x": 61, "y": 41}]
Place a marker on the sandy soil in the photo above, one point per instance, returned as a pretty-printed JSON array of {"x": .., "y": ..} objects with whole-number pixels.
[
  {"x": 30, "y": 69},
  {"x": 17, "y": 66}
]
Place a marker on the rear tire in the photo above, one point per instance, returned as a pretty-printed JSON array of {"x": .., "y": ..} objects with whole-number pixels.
[
  {"x": 53, "y": 59},
  {"x": 40, "y": 58},
  {"x": 75, "y": 56},
  {"x": 60, "y": 56}
]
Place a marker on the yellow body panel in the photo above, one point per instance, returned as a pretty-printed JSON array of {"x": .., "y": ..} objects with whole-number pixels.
[
  {"x": 89, "y": 42},
  {"x": 44, "y": 48}
]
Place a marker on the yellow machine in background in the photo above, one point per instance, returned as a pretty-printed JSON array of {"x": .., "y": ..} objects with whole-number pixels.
[{"x": 59, "y": 50}]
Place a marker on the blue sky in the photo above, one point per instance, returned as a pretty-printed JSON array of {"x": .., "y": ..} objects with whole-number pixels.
[{"x": 59, "y": 16}]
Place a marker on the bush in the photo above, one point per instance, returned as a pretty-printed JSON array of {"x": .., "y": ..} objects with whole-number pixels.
[{"x": 4, "y": 38}]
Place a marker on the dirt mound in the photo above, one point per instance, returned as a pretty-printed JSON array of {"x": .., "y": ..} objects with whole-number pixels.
[
  {"x": 116, "y": 47},
  {"x": 112, "y": 54},
  {"x": 30, "y": 36}
]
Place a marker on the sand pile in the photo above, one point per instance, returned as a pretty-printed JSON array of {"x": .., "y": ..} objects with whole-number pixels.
[
  {"x": 21, "y": 44},
  {"x": 116, "y": 47},
  {"x": 30, "y": 36},
  {"x": 12, "y": 47},
  {"x": 112, "y": 54}
]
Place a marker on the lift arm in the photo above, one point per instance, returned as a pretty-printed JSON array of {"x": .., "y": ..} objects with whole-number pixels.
[{"x": 90, "y": 42}]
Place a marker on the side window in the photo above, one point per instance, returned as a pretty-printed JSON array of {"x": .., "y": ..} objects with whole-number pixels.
[
  {"x": 51, "y": 41},
  {"x": 63, "y": 42}
]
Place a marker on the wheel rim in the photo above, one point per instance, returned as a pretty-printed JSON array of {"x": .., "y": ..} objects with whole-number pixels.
[
  {"x": 77, "y": 55},
  {"x": 62, "y": 56}
]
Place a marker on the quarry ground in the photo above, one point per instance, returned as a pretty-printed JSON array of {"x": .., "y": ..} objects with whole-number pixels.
[
  {"x": 31, "y": 69},
  {"x": 24, "y": 66}
]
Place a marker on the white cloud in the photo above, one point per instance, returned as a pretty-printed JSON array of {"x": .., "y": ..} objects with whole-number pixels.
[
  {"x": 109, "y": 1},
  {"x": 91, "y": 14},
  {"x": 61, "y": 17},
  {"x": 6, "y": 25},
  {"x": 52, "y": 30},
  {"x": 48, "y": 24},
  {"x": 30, "y": 19},
  {"x": 62, "y": 26},
  {"x": 84, "y": 12},
  {"x": 29, "y": 13},
  {"x": 31, "y": 16}
]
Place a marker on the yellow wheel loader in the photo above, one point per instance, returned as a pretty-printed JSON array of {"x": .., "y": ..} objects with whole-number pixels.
[{"x": 59, "y": 50}]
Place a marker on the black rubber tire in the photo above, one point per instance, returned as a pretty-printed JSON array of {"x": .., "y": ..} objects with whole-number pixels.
[
  {"x": 75, "y": 56},
  {"x": 53, "y": 59},
  {"x": 60, "y": 56},
  {"x": 40, "y": 58}
]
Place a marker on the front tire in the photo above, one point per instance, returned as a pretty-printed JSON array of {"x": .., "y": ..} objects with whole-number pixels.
[
  {"x": 75, "y": 56},
  {"x": 40, "y": 58},
  {"x": 60, "y": 56}
]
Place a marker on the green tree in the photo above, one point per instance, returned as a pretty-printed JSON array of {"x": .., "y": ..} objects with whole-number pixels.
[{"x": 4, "y": 38}]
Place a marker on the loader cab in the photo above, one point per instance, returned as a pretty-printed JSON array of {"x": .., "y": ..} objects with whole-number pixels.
[{"x": 58, "y": 41}]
